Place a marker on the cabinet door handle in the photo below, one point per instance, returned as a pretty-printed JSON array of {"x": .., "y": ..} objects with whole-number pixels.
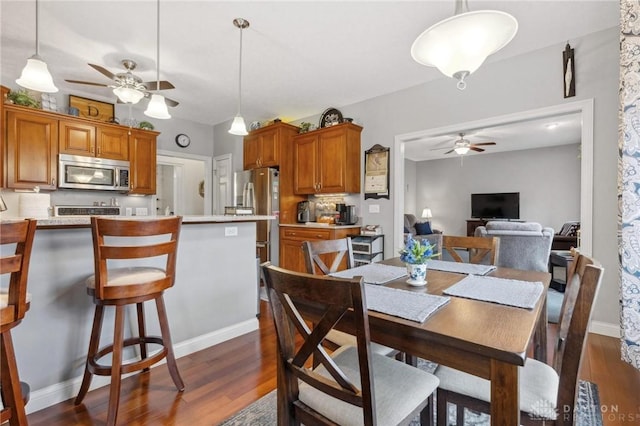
[{"x": 53, "y": 182}]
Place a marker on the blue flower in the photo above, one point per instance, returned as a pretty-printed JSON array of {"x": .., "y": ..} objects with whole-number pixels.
[{"x": 416, "y": 252}]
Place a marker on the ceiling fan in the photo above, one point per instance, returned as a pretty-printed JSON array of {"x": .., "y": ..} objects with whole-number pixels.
[
  {"x": 462, "y": 146},
  {"x": 128, "y": 87}
]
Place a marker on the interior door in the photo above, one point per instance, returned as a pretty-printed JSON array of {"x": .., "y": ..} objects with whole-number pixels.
[{"x": 222, "y": 183}]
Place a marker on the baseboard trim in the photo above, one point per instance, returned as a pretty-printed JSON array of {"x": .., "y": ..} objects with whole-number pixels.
[
  {"x": 59, "y": 392},
  {"x": 605, "y": 328}
]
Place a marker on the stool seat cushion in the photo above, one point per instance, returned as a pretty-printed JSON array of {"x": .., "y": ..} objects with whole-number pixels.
[
  {"x": 538, "y": 387},
  {"x": 4, "y": 297},
  {"x": 129, "y": 276}
]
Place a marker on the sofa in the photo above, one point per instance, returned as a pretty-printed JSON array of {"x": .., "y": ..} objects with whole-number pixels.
[
  {"x": 523, "y": 245},
  {"x": 422, "y": 231},
  {"x": 567, "y": 237}
]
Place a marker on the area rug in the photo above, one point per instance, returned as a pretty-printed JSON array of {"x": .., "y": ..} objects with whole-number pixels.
[{"x": 263, "y": 411}]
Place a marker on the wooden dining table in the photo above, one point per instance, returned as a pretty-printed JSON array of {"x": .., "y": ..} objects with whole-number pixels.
[{"x": 488, "y": 340}]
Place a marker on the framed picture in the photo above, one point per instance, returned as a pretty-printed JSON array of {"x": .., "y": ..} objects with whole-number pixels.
[
  {"x": 376, "y": 172},
  {"x": 89, "y": 108}
]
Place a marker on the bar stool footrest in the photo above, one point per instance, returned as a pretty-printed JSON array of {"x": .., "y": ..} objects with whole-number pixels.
[{"x": 105, "y": 370}]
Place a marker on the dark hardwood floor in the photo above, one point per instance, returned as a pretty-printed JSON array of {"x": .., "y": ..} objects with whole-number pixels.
[{"x": 227, "y": 377}]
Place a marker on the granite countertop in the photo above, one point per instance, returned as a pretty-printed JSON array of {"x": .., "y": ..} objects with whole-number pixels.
[
  {"x": 318, "y": 225},
  {"x": 78, "y": 221}
]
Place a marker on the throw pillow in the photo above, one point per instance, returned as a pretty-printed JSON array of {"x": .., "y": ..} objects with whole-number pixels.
[{"x": 423, "y": 228}]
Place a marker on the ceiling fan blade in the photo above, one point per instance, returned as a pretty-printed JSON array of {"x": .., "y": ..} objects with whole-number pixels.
[
  {"x": 450, "y": 151},
  {"x": 483, "y": 143},
  {"x": 171, "y": 102},
  {"x": 476, "y": 149},
  {"x": 103, "y": 71},
  {"x": 438, "y": 149},
  {"x": 87, "y": 82},
  {"x": 164, "y": 85}
]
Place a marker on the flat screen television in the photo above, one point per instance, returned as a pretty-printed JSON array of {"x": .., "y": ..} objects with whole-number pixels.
[{"x": 499, "y": 205}]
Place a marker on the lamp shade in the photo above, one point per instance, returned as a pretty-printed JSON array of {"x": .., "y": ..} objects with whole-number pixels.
[
  {"x": 35, "y": 76},
  {"x": 426, "y": 213},
  {"x": 157, "y": 108},
  {"x": 238, "y": 127},
  {"x": 461, "y": 150},
  {"x": 457, "y": 46},
  {"x": 128, "y": 95}
]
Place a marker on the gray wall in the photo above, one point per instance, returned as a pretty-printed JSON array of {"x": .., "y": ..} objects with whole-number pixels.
[
  {"x": 547, "y": 179},
  {"x": 518, "y": 84}
]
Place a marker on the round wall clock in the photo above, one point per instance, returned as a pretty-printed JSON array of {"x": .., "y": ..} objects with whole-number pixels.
[{"x": 183, "y": 140}]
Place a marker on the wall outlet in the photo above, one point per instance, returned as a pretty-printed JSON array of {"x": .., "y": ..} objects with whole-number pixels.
[
  {"x": 374, "y": 208},
  {"x": 128, "y": 211},
  {"x": 230, "y": 231}
]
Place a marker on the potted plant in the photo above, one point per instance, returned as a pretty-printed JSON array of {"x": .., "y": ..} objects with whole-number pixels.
[
  {"x": 22, "y": 97},
  {"x": 415, "y": 255}
]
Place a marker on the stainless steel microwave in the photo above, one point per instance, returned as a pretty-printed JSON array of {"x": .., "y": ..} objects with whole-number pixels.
[{"x": 79, "y": 172}]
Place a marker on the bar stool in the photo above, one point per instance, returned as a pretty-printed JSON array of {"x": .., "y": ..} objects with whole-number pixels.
[
  {"x": 14, "y": 303},
  {"x": 120, "y": 280}
]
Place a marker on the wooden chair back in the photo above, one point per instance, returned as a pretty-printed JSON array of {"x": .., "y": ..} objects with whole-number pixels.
[
  {"x": 580, "y": 294},
  {"x": 318, "y": 253},
  {"x": 146, "y": 239},
  {"x": 335, "y": 299},
  {"x": 481, "y": 249},
  {"x": 21, "y": 233}
]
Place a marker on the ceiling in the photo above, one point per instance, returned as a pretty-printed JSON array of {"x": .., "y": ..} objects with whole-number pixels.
[{"x": 299, "y": 57}]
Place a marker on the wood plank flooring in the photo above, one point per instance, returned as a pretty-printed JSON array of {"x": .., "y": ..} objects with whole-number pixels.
[{"x": 225, "y": 378}]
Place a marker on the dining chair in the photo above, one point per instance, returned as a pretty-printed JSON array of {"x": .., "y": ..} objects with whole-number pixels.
[
  {"x": 134, "y": 262},
  {"x": 16, "y": 237},
  {"x": 315, "y": 255},
  {"x": 480, "y": 249},
  {"x": 547, "y": 393},
  {"x": 353, "y": 385}
]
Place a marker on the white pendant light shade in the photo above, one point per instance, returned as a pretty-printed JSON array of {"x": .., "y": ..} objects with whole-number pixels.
[
  {"x": 238, "y": 127},
  {"x": 457, "y": 46},
  {"x": 35, "y": 76},
  {"x": 157, "y": 108},
  {"x": 461, "y": 150},
  {"x": 128, "y": 95}
]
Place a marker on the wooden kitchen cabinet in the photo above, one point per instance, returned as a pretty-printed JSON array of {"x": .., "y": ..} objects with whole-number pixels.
[
  {"x": 262, "y": 147},
  {"x": 87, "y": 139},
  {"x": 327, "y": 161},
  {"x": 291, "y": 238},
  {"x": 142, "y": 175},
  {"x": 32, "y": 149},
  {"x": 4, "y": 92}
]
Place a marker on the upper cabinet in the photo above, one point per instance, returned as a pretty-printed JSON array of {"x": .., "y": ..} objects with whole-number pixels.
[
  {"x": 32, "y": 149},
  {"x": 327, "y": 160},
  {"x": 88, "y": 139},
  {"x": 262, "y": 147},
  {"x": 142, "y": 146}
]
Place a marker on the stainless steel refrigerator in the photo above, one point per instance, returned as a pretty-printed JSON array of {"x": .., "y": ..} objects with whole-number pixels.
[{"x": 258, "y": 188}]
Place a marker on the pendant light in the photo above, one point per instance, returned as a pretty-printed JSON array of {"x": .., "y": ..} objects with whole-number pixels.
[
  {"x": 35, "y": 75},
  {"x": 458, "y": 45},
  {"x": 238, "y": 127},
  {"x": 157, "y": 107}
]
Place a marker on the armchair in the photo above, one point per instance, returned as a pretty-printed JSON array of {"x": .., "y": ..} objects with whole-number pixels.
[
  {"x": 567, "y": 237},
  {"x": 433, "y": 238},
  {"x": 523, "y": 245}
]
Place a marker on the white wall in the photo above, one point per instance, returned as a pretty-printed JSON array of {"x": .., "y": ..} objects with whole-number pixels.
[{"x": 548, "y": 180}]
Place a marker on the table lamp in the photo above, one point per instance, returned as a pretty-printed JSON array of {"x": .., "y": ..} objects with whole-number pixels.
[{"x": 426, "y": 214}]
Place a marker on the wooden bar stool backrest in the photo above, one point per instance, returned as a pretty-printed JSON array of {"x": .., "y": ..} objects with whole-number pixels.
[
  {"x": 21, "y": 233},
  {"x": 317, "y": 254},
  {"x": 121, "y": 240},
  {"x": 481, "y": 249}
]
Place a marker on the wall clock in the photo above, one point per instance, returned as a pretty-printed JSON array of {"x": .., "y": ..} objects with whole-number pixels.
[{"x": 183, "y": 140}]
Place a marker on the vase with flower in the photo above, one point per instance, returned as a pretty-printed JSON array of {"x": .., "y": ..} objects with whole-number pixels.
[{"x": 415, "y": 255}]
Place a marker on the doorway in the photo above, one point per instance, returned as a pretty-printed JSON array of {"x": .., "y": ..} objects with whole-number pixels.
[{"x": 183, "y": 184}]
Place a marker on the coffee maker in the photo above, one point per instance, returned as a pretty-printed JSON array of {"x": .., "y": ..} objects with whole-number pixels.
[
  {"x": 346, "y": 214},
  {"x": 305, "y": 212}
]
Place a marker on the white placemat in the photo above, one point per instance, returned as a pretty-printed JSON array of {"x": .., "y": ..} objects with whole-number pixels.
[
  {"x": 405, "y": 304},
  {"x": 373, "y": 273},
  {"x": 521, "y": 294},
  {"x": 459, "y": 267}
]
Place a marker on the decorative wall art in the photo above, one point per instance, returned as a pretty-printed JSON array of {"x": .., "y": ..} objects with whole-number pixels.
[
  {"x": 569, "y": 69},
  {"x": 376, "y": 169},
  {"x": 95, "y": 110}
]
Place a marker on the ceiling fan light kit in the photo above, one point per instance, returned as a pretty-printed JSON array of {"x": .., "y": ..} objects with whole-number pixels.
[
  {"x": 458, "y": 45},
  {"x": 128, "y": 95},
  {"x": 238, "y": 126},
  {"x": 157, "y": 107},
  {"x": 35, "y": 75}
]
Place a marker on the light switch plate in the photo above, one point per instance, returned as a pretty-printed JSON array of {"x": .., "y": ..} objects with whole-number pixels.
[
  {"x": 230, "y": 231},
  {"x": 374, "y": 208}
]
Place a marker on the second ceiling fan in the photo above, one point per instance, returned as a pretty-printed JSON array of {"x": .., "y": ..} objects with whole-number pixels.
[{"x": 462, "y": 146}]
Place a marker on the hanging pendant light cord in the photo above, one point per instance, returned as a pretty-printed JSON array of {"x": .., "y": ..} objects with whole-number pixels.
[
  {"x": 240, "y": 71},
  {"x": 158, "y": 48},
  {"x": 37, "y": 38}
]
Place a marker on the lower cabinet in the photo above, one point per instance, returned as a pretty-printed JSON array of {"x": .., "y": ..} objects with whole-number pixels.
[{"x": 291, "y": 238}]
